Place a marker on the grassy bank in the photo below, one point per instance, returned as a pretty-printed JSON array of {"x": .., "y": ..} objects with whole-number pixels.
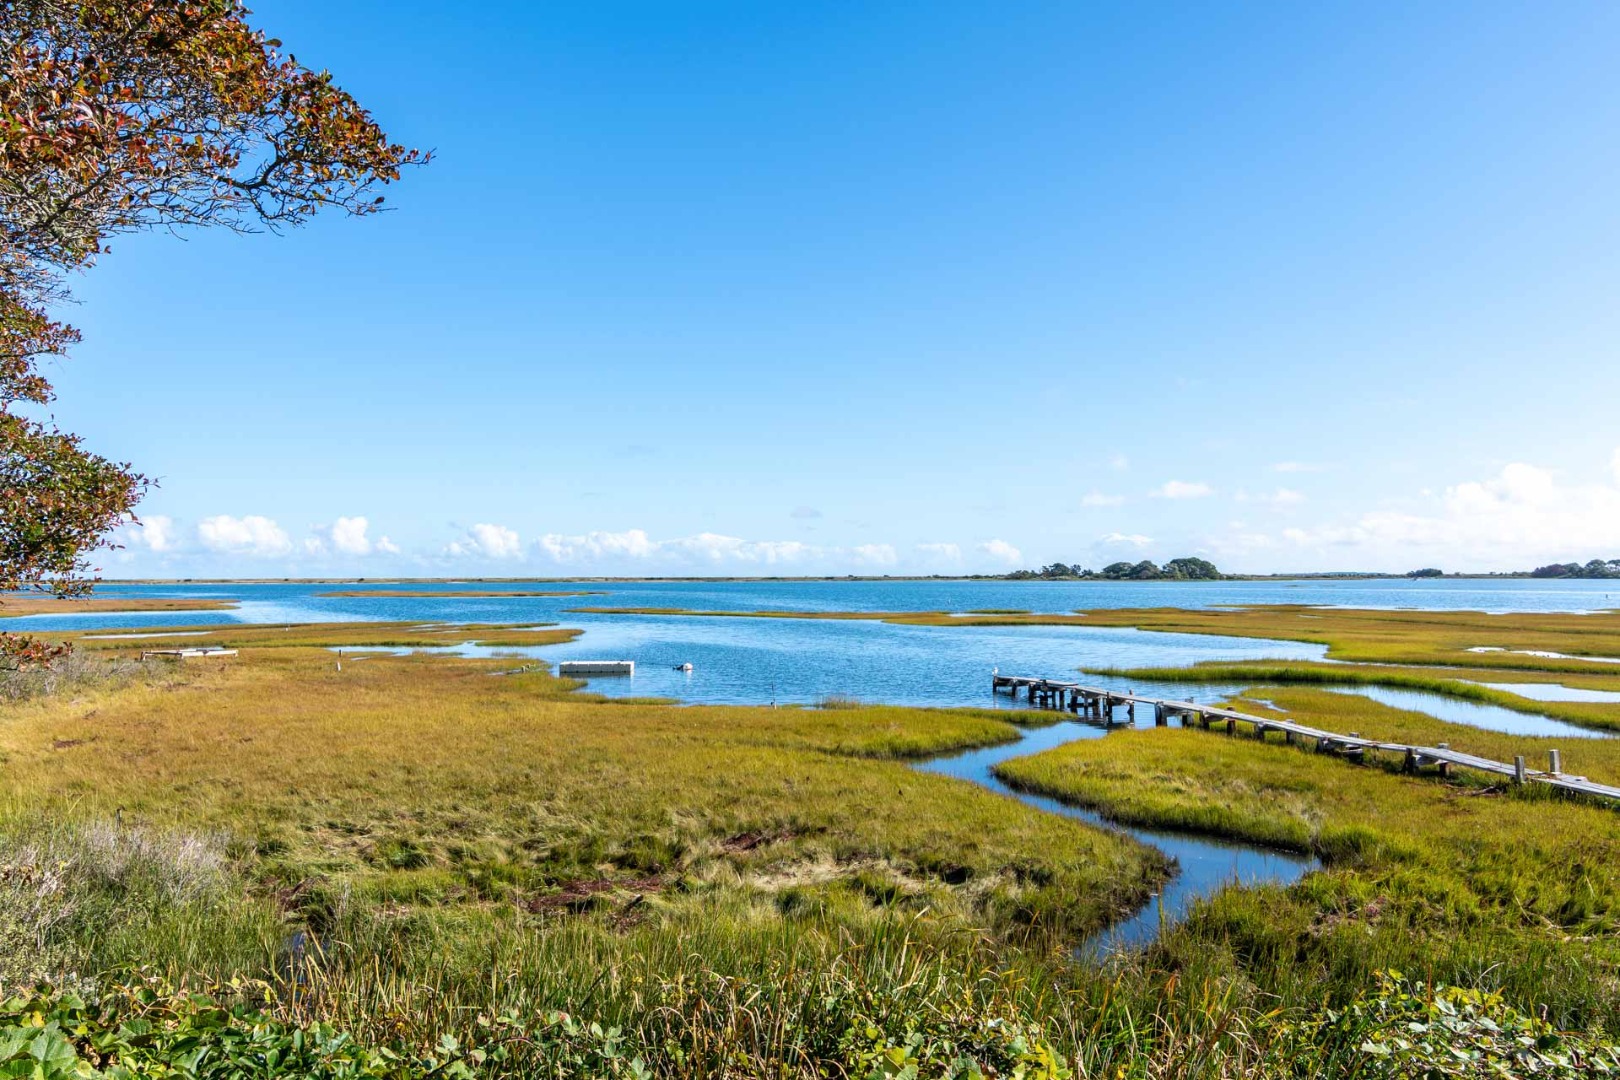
[
  {"x": 428, "y": 783},
  {"x": 454, "y": 594},
  {"x": 356, "y": 635},
  {"x": 13, "y": 605}
]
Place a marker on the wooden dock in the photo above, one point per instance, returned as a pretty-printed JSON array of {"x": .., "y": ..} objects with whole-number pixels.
[
  {"x": 1103, "y": 705},
  {"x": 188, "y": 652}
]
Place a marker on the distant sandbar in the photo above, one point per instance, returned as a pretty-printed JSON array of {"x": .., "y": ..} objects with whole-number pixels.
[
  {"x": 16, "y": 606},
  {"x": 460, "y": 594}
]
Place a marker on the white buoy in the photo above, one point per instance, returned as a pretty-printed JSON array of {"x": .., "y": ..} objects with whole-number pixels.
[{"x": 683, "y": 667}]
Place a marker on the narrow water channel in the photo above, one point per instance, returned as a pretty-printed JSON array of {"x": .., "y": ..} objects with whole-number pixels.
[
  {"x": 1475, "y": 714},
  {"x": 1203, "y": 865}
]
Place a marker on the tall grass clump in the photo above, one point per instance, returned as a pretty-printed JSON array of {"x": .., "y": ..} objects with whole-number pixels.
[
  {"x": 80, "y": 899},
  {"x": 79, "y": 669}
]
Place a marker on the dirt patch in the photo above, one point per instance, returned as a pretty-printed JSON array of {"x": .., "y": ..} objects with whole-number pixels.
[
  {"x": 748, "y": 841},
  {"x": 578, "y": 895}
]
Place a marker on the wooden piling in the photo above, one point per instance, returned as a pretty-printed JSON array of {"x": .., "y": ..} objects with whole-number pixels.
[{"x": 1102, "y": 703}]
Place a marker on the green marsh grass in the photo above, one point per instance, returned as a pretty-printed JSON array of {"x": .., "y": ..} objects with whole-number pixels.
[
  {"x": 357, "y": 635},
  {"x": 411, "y": 848},
  {"x": 1467, "y": 882},
  {"x": 13, "y": 605}
]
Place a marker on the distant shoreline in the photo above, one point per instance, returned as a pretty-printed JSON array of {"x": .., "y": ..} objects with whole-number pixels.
[{"x": 1346, "y": 576}]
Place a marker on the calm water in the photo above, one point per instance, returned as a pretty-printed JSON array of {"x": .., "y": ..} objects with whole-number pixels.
[
  {"x": 740, "y": 661},
  {"x": 1474, "y": 714},
  {"x": 1556, "y": 692}
]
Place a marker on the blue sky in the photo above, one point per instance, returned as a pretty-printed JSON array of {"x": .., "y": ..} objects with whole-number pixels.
[{"x": 882, "y": 288}]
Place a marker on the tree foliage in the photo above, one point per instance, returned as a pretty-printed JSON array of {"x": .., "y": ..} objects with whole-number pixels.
[
  {"x": 118, "y": 116},
  {"x": 1184, "y": 569},
  {"x": 1594, "y": 568}
]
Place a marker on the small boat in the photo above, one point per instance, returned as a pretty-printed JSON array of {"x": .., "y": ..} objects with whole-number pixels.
[{"x": 683, "y": 667}]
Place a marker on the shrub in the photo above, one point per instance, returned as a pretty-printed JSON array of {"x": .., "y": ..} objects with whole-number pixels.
[{"x": 1406, "y": 1030}]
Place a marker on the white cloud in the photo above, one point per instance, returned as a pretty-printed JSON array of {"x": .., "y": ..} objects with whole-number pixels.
[
  {"x": 702, "y": 549},
  {"x": 945, "y": 553},
  {"x": 1002, "y": 551},
  {"x": 155, "y": 533},
  {"x": 1097, "y": 498},
  {"x": 1614, "y": 465},
  {"x": 1280, "y": 497},
  {"x": 1182, "y": 489},
  {"x": 632, "y": 543},
  {"x": 1130, "y": 540},
  {"x": 349, "y": 536},
  {"x": 1119, "y": 462},
  {"x": 1295, "y": 467},
  {"x": 876, "y": 555},
  {"x": 251, "y": 535},
  {"x": 487, "y": 541},
  {"x": 716, "y": 548},
  {"x": 1521, "y": 517},
  {"x": 386, "y": 546}
]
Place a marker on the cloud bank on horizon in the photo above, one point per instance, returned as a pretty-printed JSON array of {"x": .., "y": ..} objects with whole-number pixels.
[{"x": 1521, "y": 517}]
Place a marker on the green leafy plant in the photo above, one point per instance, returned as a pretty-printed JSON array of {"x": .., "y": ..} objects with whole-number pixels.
[{"x": 1408, "y": 1030}]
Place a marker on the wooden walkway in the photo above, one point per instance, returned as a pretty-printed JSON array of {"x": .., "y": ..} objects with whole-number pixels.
[{"x": 1102, "y": 704}]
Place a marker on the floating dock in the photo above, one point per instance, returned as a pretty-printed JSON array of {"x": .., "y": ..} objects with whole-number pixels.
[
  {"x": 188, "y": 654},
  {"x": 1101, "y": 704},
  {"x": 596, "y": 667}
]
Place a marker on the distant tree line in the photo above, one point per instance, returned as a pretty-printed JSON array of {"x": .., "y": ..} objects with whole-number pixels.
[
  {"x": 1186, "y": 569},
  {"x": 1597, "y": 568}
]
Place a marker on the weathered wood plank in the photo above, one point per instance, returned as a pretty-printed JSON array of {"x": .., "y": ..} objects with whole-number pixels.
[{"x": 1099, "y": 701}]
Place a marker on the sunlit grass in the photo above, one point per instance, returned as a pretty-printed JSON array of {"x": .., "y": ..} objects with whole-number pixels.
[
  {"x": 13, "y": 605},
  {"x": 740, "y": 889},
  {"x": 509, "y": 789},
  {"x": 1446, "y": 878},
  {"x": 455, "y": 594},
  {"x": 390, "y": 635}
]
